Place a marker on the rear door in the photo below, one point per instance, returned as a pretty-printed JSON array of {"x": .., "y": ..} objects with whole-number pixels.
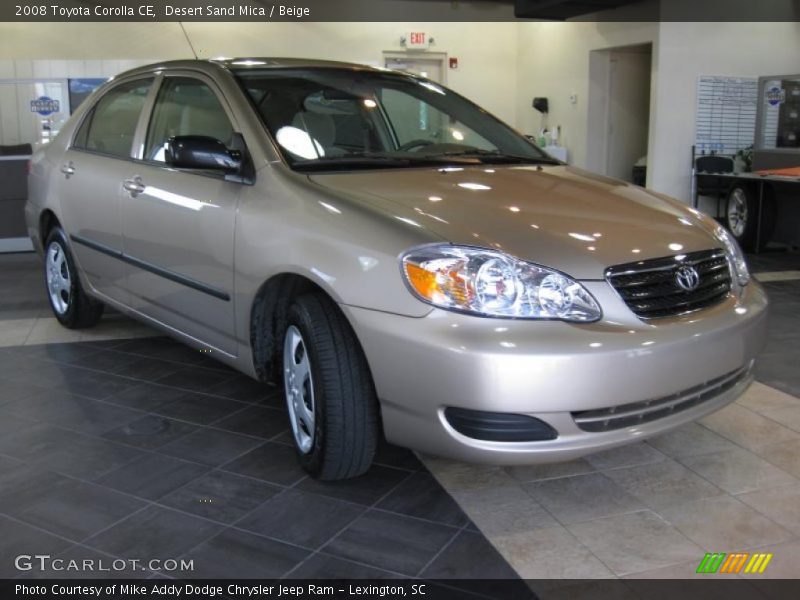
[
  {"x": 178, "y": 225},
  {"x": 90, "y": 184}
]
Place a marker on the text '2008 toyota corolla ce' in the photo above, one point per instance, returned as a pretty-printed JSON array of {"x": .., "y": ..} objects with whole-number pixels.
[{"x": 394, "y": 256}]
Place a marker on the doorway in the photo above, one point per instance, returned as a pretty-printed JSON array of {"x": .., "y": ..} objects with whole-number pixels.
[
  {"x": 619, "y": 110},
  {"x": 429, "y": 66}
]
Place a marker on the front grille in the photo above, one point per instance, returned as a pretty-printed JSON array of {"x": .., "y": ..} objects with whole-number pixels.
[
  {"x": 636, "y": 413},
  {"x": 650, "y": 287}
]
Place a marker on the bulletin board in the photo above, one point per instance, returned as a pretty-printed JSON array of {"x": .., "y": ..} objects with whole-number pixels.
[{"x": 725, "y": 121}]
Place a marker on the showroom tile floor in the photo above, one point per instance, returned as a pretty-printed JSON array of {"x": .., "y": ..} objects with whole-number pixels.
[
  {"x": 109, "y": 448},
  {"x": 114, "y": 443}
]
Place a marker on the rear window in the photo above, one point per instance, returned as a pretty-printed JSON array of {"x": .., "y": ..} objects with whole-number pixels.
[{"x": 111, "y": 125}]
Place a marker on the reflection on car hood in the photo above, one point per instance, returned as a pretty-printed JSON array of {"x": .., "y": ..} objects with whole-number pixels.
[{"x": 560, "y": 216}]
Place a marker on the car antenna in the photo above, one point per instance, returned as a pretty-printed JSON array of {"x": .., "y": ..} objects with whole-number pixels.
[{"x": 186, "y": 35}]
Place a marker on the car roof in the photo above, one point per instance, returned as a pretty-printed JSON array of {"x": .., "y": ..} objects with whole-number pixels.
[{"x": 213, "y": 65}]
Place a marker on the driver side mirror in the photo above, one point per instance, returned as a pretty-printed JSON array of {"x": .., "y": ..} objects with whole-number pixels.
[{"x": 202, "y": 152}]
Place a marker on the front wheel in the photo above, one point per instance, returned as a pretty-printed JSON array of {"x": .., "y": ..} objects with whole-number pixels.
[
  {"x": 329, "y": 392},
  {"x": 741, "y": 216},
  {"x": 70, "y": 304}
]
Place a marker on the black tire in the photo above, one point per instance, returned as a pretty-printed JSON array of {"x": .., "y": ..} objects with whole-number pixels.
[
  {"x": 741, "y": 216},
  {"x": 78, "y": 310},
  {"x": 345, "y": 403}
]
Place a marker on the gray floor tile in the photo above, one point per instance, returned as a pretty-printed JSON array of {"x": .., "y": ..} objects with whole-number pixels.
[
  {"x": 65, "y": 451},
  {"x": 391, "y": 542},
  {"x": 146, "y": 369},
  {"x": 276, "y": 463},
  {"x": 625, "y": 456},
  {"x": 717, "y": 524},
  {"x": 111, "y": 570},
  {"x": 198, "y": 408},
  {"x": 323, "y": 566},
  {"x": 221, "y": 496},
  {"x": 152, "y": 476},
  {"x": 550, "y": 471},
  {"x": 365, "y": 489},
  {"x": 737, "y": 471},
  {"x": 504, "y": 509},
  {"x": 147, "y": 396},
  {"x": 210, "y": 446},
  {"x": 79, "y": 510},
  {"x": 242, "y": 388},
  {"x": 746, "y": 428},
  {"x": 235, "y": 554},
  {"x": 550, "y": 553},
  {"x": 470, "y": 556},
  {"x": 785, "y": 564},
  {"x": 150, "y": 432},
  {"x": 761, "y": 398},
  {"x": 390, "y": 455},
  {"x": 195, "y": 379},
  {"x": 663, "y": 484},
  {"x": 260, "y": 421},
  {"x": 784, "y": 455},
  {"x": 19, "y": 538},
  {"x": 691, "y": 439},
  {"x": 582, "y": 497},
  {"x": 635, "y": 542},
  {"x": 72, "y": 412},
  {"x": 11, "y": 391},
  {"x": 21, "y": 485},
  {"x": 788, "y": 416},
  {"x": 782, "y": 505},
  {"x": 423, "y": 497},
  {"x": 302, "y": 519},
  {"x": 152, "y": 533}
]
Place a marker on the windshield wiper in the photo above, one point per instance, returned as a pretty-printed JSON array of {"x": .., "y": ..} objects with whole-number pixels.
[
  {"x": 370, "y": 161},
  {"x": 497, "y": 156}
]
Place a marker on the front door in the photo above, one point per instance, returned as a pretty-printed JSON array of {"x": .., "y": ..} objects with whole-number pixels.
[
  {"x": 90, "y": 185},
  {"x": 178, "y": 225}
]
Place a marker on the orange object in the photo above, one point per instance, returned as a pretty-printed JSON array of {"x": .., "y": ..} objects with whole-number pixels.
[{"x": 790, "y": 172}]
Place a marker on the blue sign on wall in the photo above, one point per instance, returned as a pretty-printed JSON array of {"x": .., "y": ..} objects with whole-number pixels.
[
  {"x": 775, "y": 95},
  {"x": 45, "y": 106}
]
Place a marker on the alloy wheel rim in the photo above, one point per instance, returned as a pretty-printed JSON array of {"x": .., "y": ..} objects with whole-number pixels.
[
  {"x": 299, "y": 389},
  {"x": 59, "y": 283},
  {"x": 737, "y": 213}
]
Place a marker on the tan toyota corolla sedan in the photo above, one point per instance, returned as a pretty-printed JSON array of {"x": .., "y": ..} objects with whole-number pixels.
[{"x": 400, "y": 260}]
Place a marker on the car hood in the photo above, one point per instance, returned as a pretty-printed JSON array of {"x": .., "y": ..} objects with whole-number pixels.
[{"x": 559, "y": 216}]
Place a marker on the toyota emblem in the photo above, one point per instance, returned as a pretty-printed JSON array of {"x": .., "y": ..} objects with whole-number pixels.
[{"x": 687, "y": 278}]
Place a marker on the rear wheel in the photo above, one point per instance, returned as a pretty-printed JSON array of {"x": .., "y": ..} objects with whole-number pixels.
[
  {"x": 329, "y": 392},
  {"x": 741, "y": 216},
  {"x": 70, "y": 305}
]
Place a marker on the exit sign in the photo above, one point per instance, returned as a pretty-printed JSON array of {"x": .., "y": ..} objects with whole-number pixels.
[{"x": 417, "y": 40}]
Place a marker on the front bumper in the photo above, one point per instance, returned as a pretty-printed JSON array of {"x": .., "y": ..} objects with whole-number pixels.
[{"x": 551, "y": 369}]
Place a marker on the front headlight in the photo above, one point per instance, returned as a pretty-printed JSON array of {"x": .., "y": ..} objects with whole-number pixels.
[
  {"x": 494, "y": 284},
  {"x": 736, "y": 258}
]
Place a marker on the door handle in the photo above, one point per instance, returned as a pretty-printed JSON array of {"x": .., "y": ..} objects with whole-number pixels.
[
  {"x": 134, "y": 186},
  {"x": 68, "y": 169}
]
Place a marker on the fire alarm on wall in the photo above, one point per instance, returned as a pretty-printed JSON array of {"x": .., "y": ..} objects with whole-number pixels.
[{"x": 453, "y": 63}]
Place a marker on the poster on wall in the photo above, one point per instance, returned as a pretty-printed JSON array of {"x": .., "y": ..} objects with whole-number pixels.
[
  {"x": 725, "y": 121},
  {"x": 81, "y": 89},
  {"x": 32, "y": 111}
]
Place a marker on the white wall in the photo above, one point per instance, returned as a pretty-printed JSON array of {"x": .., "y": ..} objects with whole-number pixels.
[
  {"x": 553, "y": 61},
  {"x": 502, "y": 66},
  {"x": 486, "y": 51},
  {"x": 687, "y": 50}
]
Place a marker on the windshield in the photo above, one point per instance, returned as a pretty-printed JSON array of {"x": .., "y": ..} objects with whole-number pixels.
[{"x": 334, "y": 118}]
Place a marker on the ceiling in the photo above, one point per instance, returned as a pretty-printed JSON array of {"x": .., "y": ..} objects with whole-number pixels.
[{"x": 563, "y": 9}]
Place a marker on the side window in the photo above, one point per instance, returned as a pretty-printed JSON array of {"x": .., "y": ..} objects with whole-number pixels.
[
  {"x": 185, "y": 106},
  {"x": 112, "y": 123}
]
